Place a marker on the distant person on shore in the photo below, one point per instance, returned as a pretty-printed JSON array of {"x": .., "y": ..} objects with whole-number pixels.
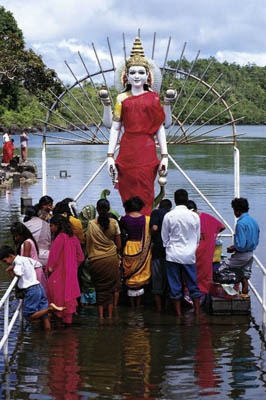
[
  {"x": 35, "y": 304},
  {"x": 8, "y": 151},
  {"x": 62, "y": 268},
  {"x": 45, "y": 208},
  {"x": 158, "y": 268},
  {"x": 209, "y": 229},
  {"x": 6, "y": 137},
  {"x": 181, "y": 236},
  {"x": 24, "y": 145},
  {"x": 246, "y": 240}
]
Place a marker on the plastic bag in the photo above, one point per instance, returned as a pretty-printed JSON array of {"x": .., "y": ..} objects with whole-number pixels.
[{"x": 226, "y": 275}]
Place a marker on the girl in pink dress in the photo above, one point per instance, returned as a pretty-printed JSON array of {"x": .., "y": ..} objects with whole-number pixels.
[
  {"x": 62, "y": 267},
  {"x": 27, "y": 246}
]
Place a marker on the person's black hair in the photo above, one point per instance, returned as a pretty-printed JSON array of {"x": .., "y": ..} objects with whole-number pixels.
[
  {"x": 191, "y": 205},
  {"x": 31, "y": 211},
  {"x": 103, "y": 208},
  {"x": 62, "y": 207},
  {"x": 165, "y": 203},
  {"x": 240, "y": 204},
  {"x": 62, "y": 224},
  {"x": 12, "y": 140},
  {"x": 111, "y": 215},
  {"x": 44, "y": 200},
  {"x": 133, "y": 204},
  {"x": 59, "y": 208},
  {"x": 181, "y": 197},
  {"x": 6, "y": 251},
  {"x": 20, "y": 229}
]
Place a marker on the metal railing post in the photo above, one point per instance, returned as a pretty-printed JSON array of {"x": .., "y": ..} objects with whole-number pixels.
[
  {"x": 264, "y": 299},
  {"x": 236, "y": 172},
  {"x": 44, "y": 173},
  {"x": 6, "y": 321}
]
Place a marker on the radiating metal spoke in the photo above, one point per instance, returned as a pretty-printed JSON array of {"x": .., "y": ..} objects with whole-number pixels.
[
  {"x": 166, "y": 56},
  {"x": 102, "y": 73},
  {"x": 90, "y": 102}
]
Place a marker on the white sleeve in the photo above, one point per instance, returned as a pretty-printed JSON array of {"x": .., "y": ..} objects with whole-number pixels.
[
  {"x": 198, "y": 230},
  {"x": 165, "y": 231},
  {"x": 18, "y": 270}
]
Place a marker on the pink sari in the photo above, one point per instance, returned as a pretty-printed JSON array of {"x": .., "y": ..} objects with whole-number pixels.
[
  {"x": 209, "y": 228},
  {"x": 63, "y": 288},
  {"x": 39, "y": 271}
]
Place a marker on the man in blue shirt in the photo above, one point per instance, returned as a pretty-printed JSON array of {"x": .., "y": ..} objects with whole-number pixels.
[{"x": 246, "y": 240}]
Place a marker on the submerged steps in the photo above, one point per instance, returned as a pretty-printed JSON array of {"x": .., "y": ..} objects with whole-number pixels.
[{"x": 236, "y": 305}]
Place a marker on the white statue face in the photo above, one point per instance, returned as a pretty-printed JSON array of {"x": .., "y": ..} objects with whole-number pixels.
[{"x": 137, "y": 76}]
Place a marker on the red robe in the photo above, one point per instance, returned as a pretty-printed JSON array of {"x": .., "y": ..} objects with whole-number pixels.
[{"x": 137, "y": 162}]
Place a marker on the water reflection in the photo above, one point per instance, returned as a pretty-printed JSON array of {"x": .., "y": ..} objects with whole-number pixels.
[
  {"x": 139, "y": 355},
  {"x": 64, "y": 379},
  {"x": 206, "y": 370}
]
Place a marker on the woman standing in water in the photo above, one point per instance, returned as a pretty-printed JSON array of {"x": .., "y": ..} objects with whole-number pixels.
[
  {"x": 136, "y": 258},
  {"x": 103, "y": 245},
  {"x": 62, "y": 268}
]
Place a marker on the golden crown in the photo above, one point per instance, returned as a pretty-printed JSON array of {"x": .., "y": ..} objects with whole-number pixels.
[{"x": 137, "y": 56}]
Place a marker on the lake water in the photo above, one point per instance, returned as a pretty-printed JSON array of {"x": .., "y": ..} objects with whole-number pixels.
[{"x": 142, "y": 354}]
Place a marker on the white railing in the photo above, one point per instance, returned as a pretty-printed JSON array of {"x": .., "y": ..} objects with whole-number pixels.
[
  {"x": 8, "y": 325},
  {"x": 261, "y": 300}
]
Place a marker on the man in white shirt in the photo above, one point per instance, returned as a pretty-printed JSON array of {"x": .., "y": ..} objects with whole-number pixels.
[
  {"x": 23, "y": 144},
  {"x": 181, "y": 236}
]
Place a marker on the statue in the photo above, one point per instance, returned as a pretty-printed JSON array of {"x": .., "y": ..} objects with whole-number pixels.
[{"x": 139, "y": 110}]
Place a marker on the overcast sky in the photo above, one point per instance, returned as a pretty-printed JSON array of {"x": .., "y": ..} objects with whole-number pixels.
[{"x": 231, "y": 30}]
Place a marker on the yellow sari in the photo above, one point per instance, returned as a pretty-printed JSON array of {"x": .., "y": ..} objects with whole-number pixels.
[{"x": 137, "y": 260}]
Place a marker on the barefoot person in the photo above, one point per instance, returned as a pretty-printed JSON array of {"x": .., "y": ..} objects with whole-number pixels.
[
  {"x": 62, "y": 268},
  {"x": 103, "y": 245},
  {"x": 181, "y": 236},
  {"x": 35, "y": 303},
  {"x": 245, "y": 241}
]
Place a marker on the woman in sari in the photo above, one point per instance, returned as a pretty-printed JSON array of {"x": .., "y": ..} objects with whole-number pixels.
[
  {"x": 209, "y": 229},
  {"x": 67, "y": 208},
  {"x": 103, "y": 245},
  {"x": 62, "y": 267},
  {"x": 137, "y": 251}
]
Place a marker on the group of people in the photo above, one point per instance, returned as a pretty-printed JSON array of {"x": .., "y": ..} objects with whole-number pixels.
[
  {"x": 9, "y": 148},
  {"x": 172, "y": 250}
]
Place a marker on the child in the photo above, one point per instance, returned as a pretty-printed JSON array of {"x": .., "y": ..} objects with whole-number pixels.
[{"x": 35, "y": 303}]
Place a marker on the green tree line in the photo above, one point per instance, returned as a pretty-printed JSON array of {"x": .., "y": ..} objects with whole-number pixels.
[{"x": 26, "y": 83}]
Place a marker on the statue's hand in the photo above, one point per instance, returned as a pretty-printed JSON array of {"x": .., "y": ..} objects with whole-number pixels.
[
  {"x": 170, "y": 94},
  {"x": 163, "y": 167},
  {"x": 104, "y": 96},
  {"x": 112, "y": 170}
]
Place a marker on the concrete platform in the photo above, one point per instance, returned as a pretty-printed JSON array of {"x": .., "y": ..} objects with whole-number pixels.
[{"x": 236, "y": 306}]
